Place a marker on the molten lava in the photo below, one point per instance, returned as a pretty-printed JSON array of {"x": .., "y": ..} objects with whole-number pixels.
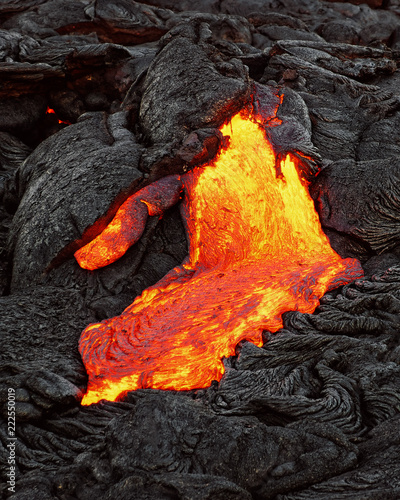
[
  {"x": 256, "y": 250},
  {"x": 51, "y": 111}
]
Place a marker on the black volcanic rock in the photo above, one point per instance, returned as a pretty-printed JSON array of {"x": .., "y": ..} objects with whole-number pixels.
[
  {"x": 128, "y": 22},
  {"x": 48, "y": 18},
  {"x": 350, "y": 201},
  {"x": 183, "y": 133},
  {"x": 160, "y": 486},
  {"x": 44, "y": 325},
  {"x": 238, "y": 448},
  {"x": 63, "y": 196},
  {"x": 218, "y": 86},
  {"x": 21, "y": 114},
  {"x": 41, "y": 325},
  {"x": 208, "y": 6},
  {"x": 370, "y": 479},
  {"x": 13, "y": 6}
]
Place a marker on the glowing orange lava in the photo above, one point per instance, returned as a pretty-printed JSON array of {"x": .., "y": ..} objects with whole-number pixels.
[
  {"x": 51, "y": 111},
  {"x": 256, "y": 250},
  {"x": 129, "y": 222}
]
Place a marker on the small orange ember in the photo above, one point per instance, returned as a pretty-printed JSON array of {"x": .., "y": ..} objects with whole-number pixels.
[
  {"x": 257, "y": 250},
  {"x": 50, "y": 111}
]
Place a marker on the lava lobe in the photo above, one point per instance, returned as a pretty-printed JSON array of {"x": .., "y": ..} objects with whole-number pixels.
[{"x": 256, "y": 250}]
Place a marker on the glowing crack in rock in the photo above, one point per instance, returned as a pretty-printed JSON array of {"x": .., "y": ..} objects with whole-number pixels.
[
  {"x": 51, "y": 111},
  {"x": 256, "y": 250}
]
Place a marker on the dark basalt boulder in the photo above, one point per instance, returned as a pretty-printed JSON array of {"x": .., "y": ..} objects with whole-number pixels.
[
  {"x": 63, "y": 193},
  {"x": 13, "y": 6},
  {"x": 22, "y": 114},
  {"x": 128, "y": 22},
  {"x": 12, "y": 153},
  {"x": 123, "y": 21},
  {"x": 48, "y": 18},
  {"x": 219, "y": 87},
  {"x": 184, "y": 133},
  {"x": 13, "y": 44},
  {"x": 238, "y": 448},
  {"x": 224, "y": 28},
  {"x": 340, "y": 32},
  {"x": 209, "y": 6},
  {"x": 44, "y": 325},
  {"x": 380, "y": 139},
  {"x": 335, "y": 82},
  {"x": 161, "y": 486},
  {"x": 351, "y": 202}
]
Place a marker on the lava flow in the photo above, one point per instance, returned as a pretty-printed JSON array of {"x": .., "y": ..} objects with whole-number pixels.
[{"x": 256, "y": 250}]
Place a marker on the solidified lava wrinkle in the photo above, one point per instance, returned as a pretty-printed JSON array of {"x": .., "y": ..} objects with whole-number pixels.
[{"x": 256, "y": 250}]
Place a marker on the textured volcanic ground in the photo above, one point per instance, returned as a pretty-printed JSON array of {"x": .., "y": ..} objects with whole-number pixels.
[{"x": 99, "y": 99}]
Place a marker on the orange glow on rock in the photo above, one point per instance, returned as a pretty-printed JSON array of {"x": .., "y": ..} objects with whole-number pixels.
[
  {"x": 256, "y": 251},
  {"x": 50, "y": 111}
]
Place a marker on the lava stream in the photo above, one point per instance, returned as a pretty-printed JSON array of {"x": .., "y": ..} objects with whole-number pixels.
[{"x": 256, "y": 251}]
